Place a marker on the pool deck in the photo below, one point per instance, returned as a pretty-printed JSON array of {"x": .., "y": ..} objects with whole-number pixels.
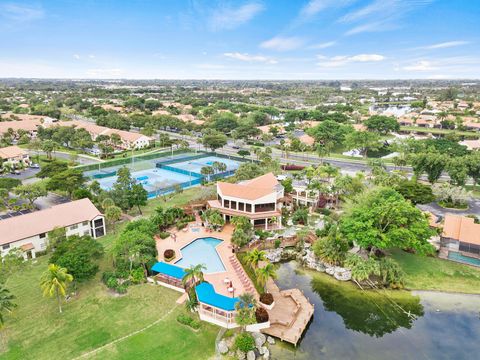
[{"x": 234, "y": 272}]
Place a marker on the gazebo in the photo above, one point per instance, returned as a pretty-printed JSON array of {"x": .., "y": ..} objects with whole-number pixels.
[
  {"x": 169, "y": 275},
  {"x": 216, "y": 308}
]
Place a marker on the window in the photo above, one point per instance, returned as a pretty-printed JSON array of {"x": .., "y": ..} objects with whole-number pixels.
[
  {"x": 43, "y": 245},
  {"x": 226, "y": 203},
  {"x": 42, "y": 236},
  {"x": 74, "y": 227},
  {"x": 241, "y": 206},
  {"x": 6, "y": 247},
  {"x": 233, "y": 205},
  {"x": 85, "y": 223},
  {"x": 249, "y": 207}
]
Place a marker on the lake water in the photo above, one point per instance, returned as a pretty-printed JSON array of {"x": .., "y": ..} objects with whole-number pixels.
[{"x": 351, "y": 324}]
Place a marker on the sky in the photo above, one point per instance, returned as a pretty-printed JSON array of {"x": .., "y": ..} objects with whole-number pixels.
[{"x": 252, "y": 39}]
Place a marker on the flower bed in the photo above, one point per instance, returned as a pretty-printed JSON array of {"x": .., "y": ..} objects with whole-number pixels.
[{"x": 169, "y": 255}]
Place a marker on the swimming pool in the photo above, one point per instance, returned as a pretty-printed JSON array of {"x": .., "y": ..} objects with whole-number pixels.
[
  {"x": 455, "y": 256},
  {"x": 202, "y": 251}
]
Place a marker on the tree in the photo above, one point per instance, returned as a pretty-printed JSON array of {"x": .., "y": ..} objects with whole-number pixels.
[
  {"x": 54, "y": 283},
  {"x": 112, "y": 215},
  {"x": 382, "y": 124},
  {"x": 138, "y": 197},
  {"x": 331, "y": 249},
  {"x": 264, "y": 274},
  {"x": 121, "y": 188},
  {"x": 6, "y": 303},
  {"x": 431, "y": 163},
  {"x": 254, "y": 257},
  {"x": 134, "y": 247},
  {"x": 473, "y": 167},
  {"x": 214, "y": 140},
  {"x": 224, "y": 122},
  {"x": 194, "y": 273},
  {"x": 49, "y": 146},
  {"x": 416, "y": 192},
  {"x": 363, "y": 140},
  {"x": 243, "y": 153},
  {"x": 207, "y": 171},
  {"x": 329, "y": 134},
  {"x": 52, "y": 168},
  {"x": 245, "y": 313},
  {"x": 79, "y": 255},
  {"x": 448, "y": 194},
  {"x": 381, "y": 218},
  {"x": 31, "y": 192},
  {"x": 457, "y": 169},
  {"x": 68, "y": 181}
]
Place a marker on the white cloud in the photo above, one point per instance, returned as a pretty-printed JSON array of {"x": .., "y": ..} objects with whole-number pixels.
[
  {"x": 381, "y": 15},
  {"x": 422, "y": 65},
  {"x": 447, "y": 44},
  {"x": 313, "y": 7},
  {"x": 250, "y": 58},
  {"x": 280, "y": 43},
  {"x": 336, "y": 61},
  {"x": 91, "y": 56},
  {"x": 21, "y": 13},
  {"x": 76, "y": 56},
  {"x": 322, "y": 45},
  {"x": 227, "y": 18}
]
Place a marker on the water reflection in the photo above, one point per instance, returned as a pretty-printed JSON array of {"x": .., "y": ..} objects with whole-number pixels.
[
  {"x": 350, "y": 325},
  {"x": 375, "y": 313}
]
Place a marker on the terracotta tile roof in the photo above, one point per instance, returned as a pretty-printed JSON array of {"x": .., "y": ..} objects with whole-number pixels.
[
  {"x": 27, "y": 125},
  {"x": 11, "y": 152},
  {"x": 251, "y": 189},
  {"x": 461, "y": 228},
  {"x": 39, "y": 222}
]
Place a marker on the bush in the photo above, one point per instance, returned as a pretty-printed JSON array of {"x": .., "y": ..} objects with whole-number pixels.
[
  {"x": 261, "y": 315},
  {"x": 164, "y": 234},
  {"x": 277, "y": 243},
  {"x": 169, "y": 254},
  {"x": 266, "y": 298},
  {"x": 137, "y": 276},
  {"x": 181, "y": 225},
  {"x": 9, "y": 183},
  {"x": 325, "y": 211},
  {"x": 189, "y": 321},
  {"x": 245, "y": 342}
]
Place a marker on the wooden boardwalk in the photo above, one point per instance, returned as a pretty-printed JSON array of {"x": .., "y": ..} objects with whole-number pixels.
[{"x": 290, "y": 315}]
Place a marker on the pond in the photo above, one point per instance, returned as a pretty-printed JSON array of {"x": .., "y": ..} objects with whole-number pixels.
[{"x": 352, "y": 324}]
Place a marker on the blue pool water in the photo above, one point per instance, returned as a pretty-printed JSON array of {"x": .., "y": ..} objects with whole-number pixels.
[
  {"x": 464, "y": 259},
  {"x": 202, "y": 251}
]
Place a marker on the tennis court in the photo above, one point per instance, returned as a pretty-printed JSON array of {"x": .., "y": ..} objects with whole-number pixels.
[{"x": 197, "y": 164}]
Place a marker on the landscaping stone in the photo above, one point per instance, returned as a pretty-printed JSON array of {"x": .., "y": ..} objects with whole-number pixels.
[
  {"x": 271, "y": 340},
  {"x": 223, "y": 347},
  {"x": 251, "y": 355},
  {"x": 274, "y": 255},
  {"x": 266, "y": 355},
  {"x": 259, "y": 339},
  {"x": 240, "y": 355},
  {"x": 262, "y": 350}
]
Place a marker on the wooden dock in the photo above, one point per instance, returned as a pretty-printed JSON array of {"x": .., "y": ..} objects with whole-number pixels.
[{"x": 290, "y": 315}]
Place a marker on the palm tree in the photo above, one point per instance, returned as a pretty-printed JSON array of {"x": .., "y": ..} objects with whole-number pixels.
[
  {"x": 254, "y": 257},
  {"x": 6, "y": 303},
  {"x": 195, "y": 273},
  {"x": 245, "y": 310},
  {"x": 265, "y": 273},
  {"x": 54, "y": 282}
]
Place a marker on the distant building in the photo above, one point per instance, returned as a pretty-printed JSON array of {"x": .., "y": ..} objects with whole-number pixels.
[
  {"x": 14, "y": 155},
  {"x": 29, "y": 232},
  {"x": 461, "y": 234},
  {"x": 259, "y": 199}
]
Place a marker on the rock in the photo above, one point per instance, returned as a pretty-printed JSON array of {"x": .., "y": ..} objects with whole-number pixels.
[
  {"x": 259, "y": 339},
  {"x": 266, "y": 355},
  {"x": 240, "y": 355},
  {"x": 223, "y": 347},
  {"x": 251, "y": 355},
  {"x": 262, "y": 350},
  {"x": 271, "y": 340}
]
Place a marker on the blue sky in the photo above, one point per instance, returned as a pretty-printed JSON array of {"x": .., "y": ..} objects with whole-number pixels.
[{"x": 264, "y": 39}]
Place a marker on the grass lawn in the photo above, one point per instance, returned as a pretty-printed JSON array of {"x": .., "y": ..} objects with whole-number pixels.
[
  {"x": 172, "y": 200},
  {"x": 428, "y": 273},
  {"x": 94, "y": 318}
]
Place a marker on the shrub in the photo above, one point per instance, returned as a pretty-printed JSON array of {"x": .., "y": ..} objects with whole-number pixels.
[
  {"x": 9, "y": 183},
  {"x": 164, "y": 234},
  {"x": 137, "y": 276},
  {"x": 266, "y": 298},
  {"x": 245, "y": 342},
  {"x": 325, "y": 211},
  {"x": 181, "y": 225},
  {"x": 169, "y": 254},
  {"x": 277, "y": 243},
  {"x": 261, "y": 315},
  {"x": 189, "y": 321}
]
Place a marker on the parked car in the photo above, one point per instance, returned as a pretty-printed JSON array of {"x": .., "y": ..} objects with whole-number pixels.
[{"x": 34, "y": 166}]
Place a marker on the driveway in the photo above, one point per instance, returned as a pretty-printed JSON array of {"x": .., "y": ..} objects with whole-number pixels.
[
  {"x": 25, "y": 174},
  {"x": 473, "y": 208}
]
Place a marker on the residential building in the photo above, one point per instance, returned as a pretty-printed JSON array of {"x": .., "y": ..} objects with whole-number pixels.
[
  {"x": 14, "y": 156},
  {"x": 461, "y": 234},
  {"x": 29, "y": 232},
  {"x": 259, "y": 199}
]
